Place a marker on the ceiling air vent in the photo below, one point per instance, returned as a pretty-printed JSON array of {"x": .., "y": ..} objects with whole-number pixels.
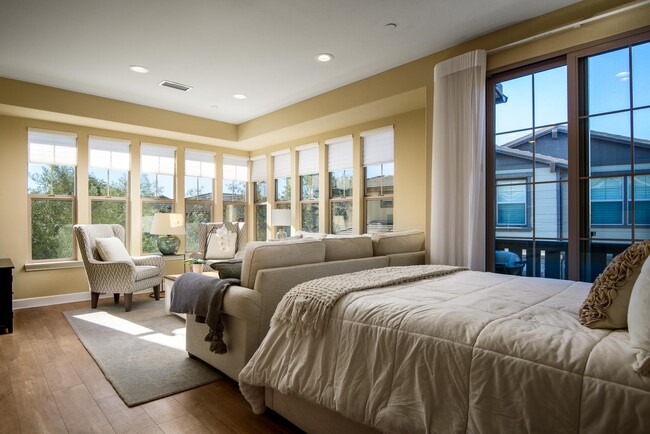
[{"x": 174, "y": 85}]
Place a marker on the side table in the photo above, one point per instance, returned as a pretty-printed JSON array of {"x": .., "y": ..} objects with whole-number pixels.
[
  {"x": 168, "y": 283},
  {"x": 6, "y": 296}
]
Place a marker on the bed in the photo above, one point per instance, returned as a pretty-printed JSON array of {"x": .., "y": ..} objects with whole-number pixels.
[{"x": 462, "y": 352}]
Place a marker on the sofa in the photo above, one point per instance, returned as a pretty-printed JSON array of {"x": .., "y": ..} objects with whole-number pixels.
[{"x": 270, "y": 269}]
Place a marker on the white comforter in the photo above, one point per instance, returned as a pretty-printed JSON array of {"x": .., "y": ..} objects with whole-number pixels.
[{"x": 468, "y": 352}]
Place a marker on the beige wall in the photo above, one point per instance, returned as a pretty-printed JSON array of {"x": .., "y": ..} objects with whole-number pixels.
[{"x": 402, "y": 96}]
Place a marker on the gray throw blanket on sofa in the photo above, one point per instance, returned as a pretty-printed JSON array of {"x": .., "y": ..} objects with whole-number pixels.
[{"x": 202, "y": 296}]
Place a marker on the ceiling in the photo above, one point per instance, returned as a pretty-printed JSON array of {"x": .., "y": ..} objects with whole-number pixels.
[{"x": 264, "y": 49}]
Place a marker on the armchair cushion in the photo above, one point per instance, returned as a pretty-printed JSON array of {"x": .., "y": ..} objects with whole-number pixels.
[
  {"x": 145, "y": 272},
  {"x": 112, "y": 250}
]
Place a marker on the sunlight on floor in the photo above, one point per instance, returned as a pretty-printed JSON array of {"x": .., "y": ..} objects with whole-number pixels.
[
  {"x": 175, "y": 340},
  {"x": 107, "y": 320}
]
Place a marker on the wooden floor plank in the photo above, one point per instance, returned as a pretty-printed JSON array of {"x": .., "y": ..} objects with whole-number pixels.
[
  {"x": 125, "y": 420},
  {"x": 88, "y": 371},
  {"x": 164, "y": 410},
  {"x": 9, "y": 422},
  {"x": 80, "y": 412},
  {"x": 35, "y": 406},
  {"x": 187, "y": 424}
]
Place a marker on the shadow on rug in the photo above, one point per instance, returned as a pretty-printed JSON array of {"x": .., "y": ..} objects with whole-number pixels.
[{"x": 142, "y": 352}]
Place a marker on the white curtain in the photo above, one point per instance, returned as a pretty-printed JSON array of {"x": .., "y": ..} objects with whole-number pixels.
[{"x": 458, "y": 168}]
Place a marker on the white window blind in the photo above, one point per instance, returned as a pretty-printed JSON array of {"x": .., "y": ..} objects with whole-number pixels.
[
  {"x": 282, "y": 165},
  {"x": 157, "y": 159},
  {"x": 52, "y": 147},
  {"x": 308, "y": 160},
  {"x": 378, "y": 147},
  {"x": 258, "y": 172},
  {"x": 105, "y": 153},
  {"x": 199, "y": 163},
  {"x": 339, "y": 155},
  {"x": 235, "y": 168}
]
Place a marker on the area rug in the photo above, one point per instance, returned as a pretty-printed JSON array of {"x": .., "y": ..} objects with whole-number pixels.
[{"x": 142, "y": 352}]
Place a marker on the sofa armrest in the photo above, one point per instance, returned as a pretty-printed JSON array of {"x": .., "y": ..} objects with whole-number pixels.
[
  {"x": 242, "y": 303},
  {"x": 273, "y": 283}
]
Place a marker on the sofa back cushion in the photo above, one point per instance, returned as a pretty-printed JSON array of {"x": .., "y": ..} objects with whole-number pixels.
[
  {"x": 260, "y": 255},
  {"x": 348, "y": 247},
  {"x": 386, "y": 243}
]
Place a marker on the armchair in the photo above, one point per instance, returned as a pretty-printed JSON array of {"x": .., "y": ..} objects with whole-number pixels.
[{"x": 116, "y": 277}]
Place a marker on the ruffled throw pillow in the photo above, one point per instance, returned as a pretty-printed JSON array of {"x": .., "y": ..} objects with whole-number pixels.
[{"x": 606, "y": 306}]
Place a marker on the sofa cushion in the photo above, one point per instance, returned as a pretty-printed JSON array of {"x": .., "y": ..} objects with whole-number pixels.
[
  {"x": 348, "y": 247},
  {"x": 638, "y": 320},
  {"x": 228, "y": 269},
  {"x": 146, "y": 271},
  {"x": 112, "y": 249},
  {"x": 222, "y": 244},
  {"x": 386, "y": 243},
  {"x": 260, "y": 255}
]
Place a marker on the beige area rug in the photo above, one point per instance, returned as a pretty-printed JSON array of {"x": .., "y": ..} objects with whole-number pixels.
[{"x": 142, "y": 352}]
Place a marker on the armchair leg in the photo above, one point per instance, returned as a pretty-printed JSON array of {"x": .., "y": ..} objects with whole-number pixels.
[
  {"x": 156, "y": 292},
  {"x": 94, "y": 298},
  {"x": 128, "y": 300},
  {"x": 116, "y": 298}
]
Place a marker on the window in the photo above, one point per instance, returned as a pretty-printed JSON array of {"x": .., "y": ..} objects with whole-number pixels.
[
  {"x": 157, "y": 173},
  {"x": 596, "y": 150},
  {"x": 379, "y": 171},
  {"x": 199, "y": 194},
  {"x": 235, "y": 177},
  {"x": 258, "y": 177},
  {"x": 109, "y": 163},
  {"x": 339, "y": 163},
  {"x": 52, "y": 158},
  {"x": 309, "y": 188},
  {"x": 282, "y": 177},
  {"x": 511, "y": 202}
]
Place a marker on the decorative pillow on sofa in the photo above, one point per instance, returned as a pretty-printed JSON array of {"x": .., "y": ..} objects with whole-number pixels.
[
  {"x": 638, "y": 320},
  {"x": 222, "y": 244},
  {"x": 606, "y": 306},
  {"x": 111, "y": 250},
  {"x": 228, "y": 269}
]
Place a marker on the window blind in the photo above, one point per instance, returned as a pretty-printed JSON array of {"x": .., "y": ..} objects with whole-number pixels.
[
  {"x": 339, "y": 154},
  {"x": 52, "y": 147},
  {"x": 258, "y": 172},
  {"x": 235, "y": 168},
  {"x": 282, "y": 165},
  {"x": 157, "y": 159},
  {"x": 199, "y": 163},
  {"x": 308, "y": 160},
  {"x": 378, "y": 147},
  {"x": 105, "y": 153}
]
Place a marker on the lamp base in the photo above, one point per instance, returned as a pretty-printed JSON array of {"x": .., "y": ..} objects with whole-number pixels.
[
  {"x": 168, "y": 244},
  {"x": 281, "y": 234}
]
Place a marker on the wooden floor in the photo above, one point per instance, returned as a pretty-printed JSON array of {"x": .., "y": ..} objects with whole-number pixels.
[{"x": 50, "y": 384}]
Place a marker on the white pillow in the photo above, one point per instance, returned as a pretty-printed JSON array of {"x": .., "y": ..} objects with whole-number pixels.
[
  {"x": 638, "y": 320},
  {"x": 222, "y": 246},
  {"x": 112, "y": 250}
]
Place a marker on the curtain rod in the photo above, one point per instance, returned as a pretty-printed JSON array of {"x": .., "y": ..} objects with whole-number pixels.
[{"x": 568, "y": 27}]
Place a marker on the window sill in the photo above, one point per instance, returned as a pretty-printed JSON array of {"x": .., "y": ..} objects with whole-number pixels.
[{"x": 54, "y": 265}]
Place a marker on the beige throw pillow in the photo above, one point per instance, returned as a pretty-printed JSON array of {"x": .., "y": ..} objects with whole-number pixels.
[
  {"x": 112, "y": 250},
  {"x": 222, "y": 245},
  {"x": 638, "y": 320},
  {"x": 607, "y": 304}
]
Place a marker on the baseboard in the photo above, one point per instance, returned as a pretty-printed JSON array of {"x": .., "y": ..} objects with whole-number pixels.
[{"x": 48, "y": 300}]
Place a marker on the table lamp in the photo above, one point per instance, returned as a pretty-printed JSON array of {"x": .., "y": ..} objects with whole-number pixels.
[
  {"x": 282, "y": 218},
  {"x": 168, "y": 225}
]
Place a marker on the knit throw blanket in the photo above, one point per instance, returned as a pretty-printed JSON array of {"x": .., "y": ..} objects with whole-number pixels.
[{"x": 306, "y": 307}]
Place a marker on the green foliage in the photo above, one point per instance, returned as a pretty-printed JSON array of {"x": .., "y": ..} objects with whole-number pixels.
[
  {"x": 309, "y": 217},
  {"x": 260, "y": 220},
  {"x": 195, "y": 213}
]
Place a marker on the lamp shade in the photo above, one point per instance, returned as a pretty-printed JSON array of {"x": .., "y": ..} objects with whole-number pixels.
[
  {"x": 281, "y": 217},
  {"x": 167, "y": 224}
]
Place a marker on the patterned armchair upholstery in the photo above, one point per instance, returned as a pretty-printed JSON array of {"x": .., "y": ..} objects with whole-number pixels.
[
  {"x": 121, "y": 277},
  {"x": 205, "y": 229}
]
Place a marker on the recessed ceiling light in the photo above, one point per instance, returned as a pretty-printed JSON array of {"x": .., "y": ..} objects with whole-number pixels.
[
  {"x": 324, "y": 57},
  {"x": 239, "y": 96},
  {"x": 139, "y": 69},
  {"x": 390, "y": 26},
  {"x": 214, "y": 107}
]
